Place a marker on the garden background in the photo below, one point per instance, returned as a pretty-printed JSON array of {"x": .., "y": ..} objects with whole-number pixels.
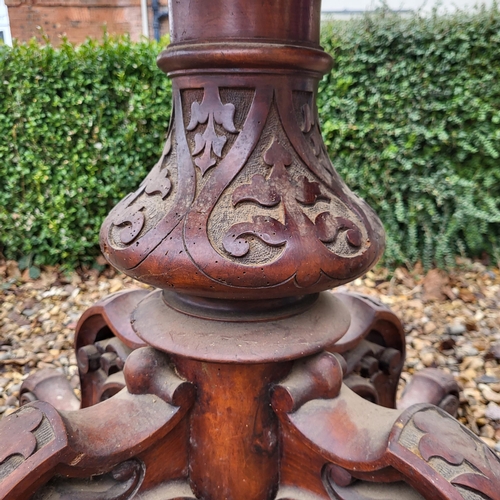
[{"x": 410, "y": 115}]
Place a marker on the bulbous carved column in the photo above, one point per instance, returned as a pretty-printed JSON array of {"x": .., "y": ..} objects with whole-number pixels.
[{"x": 244, "y": 202}]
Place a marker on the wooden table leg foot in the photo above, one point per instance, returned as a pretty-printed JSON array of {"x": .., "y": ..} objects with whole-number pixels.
[
  {"x": 51, "y": 386},
  {"x": 362, "y": 451},
  {"x": 432, "y": 386}
]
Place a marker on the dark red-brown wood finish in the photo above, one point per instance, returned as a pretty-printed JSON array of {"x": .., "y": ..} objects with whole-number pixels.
[{"x": 240, "y": 377}]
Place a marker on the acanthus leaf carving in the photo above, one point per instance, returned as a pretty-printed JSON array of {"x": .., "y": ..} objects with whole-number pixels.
[
  {"x": 267, "y": 192},
  {"x": 162, "y": 188},
  {"x": 308, "y": 193},
  {"x": 267, "y": 229},
  {"x": 210, "y": 111},
  {"x": 328, "y": 227},
  {"x": 258, "y": 191},
  {"x": 279, "y": 188},
  {"x": 158, "y": 182},
  {"x": 18, "y": 428},
  {"x": 132, "y": 219},
  {"x": 277, "y": 156}
]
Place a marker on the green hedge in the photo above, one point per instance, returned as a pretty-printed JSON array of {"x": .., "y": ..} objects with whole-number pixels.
[
  {"x": 410, "y": 114},
  {"x": 411, "y": 118},
  {"x": 79, "y": 129}
]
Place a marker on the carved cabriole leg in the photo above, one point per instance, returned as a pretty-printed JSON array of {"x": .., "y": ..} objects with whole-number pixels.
[
  {"x": 352, "y": 443},
  {"x": 50, "y": 386},
  {"x": 141, "y": 421},
  {"x": 446, "y": 460},
  {"x": 432, "y": 386}
]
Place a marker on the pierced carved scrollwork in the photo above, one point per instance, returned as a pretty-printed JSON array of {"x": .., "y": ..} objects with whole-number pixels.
[
  {"x": 100, "y": 365},
  {"x": 120, "y": 484},
  {"x": 373, "y": 372},
  {"x": 374, "y": 349}
]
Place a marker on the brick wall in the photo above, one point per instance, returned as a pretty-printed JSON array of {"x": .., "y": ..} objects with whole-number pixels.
[{"x": 77, "y": 19}]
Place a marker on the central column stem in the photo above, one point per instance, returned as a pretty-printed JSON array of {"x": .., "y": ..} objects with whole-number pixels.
[
  {"x": 234, "y": 432},
  {"x": 242, "y": 223}
]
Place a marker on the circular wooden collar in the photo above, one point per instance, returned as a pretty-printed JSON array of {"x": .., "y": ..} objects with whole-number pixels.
[
  {"x": 168, "y": 330},
  {"x": 250, "y": 311},
  {"x": 247, "y": 56}
]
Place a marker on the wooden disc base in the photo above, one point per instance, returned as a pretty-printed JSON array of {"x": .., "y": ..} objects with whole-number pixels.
[{"x": 251, "y": 339}]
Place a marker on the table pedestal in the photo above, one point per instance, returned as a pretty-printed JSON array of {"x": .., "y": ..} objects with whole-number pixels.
[{"x": 240, "y": 377}]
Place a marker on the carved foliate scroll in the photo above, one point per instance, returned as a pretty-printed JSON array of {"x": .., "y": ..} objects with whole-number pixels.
[
  {"x": 20, "y": 427},
  {"x": 243, "y": 193},
  {"x": 276, "y": 207},
  {"x": 278, "y": 188},
  {"x": 450, "y": 460},
  {"x": 210, "y": 111},
  {"x": 33, "y": 440},
  {"x": 141, "y": 209}
]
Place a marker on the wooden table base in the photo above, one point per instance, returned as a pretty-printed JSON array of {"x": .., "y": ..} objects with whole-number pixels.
[
  {"x": 240, "y": 377},
  {"x": 173, "y": 427}
]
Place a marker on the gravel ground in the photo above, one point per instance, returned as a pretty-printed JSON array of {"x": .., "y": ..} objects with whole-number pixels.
[{"x": 452, "y": 321}]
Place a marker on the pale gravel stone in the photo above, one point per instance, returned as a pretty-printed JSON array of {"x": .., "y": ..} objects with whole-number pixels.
[{"x": 460, "y": 334}]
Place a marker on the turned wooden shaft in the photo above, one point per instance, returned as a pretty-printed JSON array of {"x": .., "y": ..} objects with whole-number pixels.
[
  {"x": 278, "y": 20},
  {"x": 234, "y": 448}
]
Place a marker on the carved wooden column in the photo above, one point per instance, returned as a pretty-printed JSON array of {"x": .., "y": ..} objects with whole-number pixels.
[
  {"x": 240, "y": 377},
  {"x": 244, "y": 203}
]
